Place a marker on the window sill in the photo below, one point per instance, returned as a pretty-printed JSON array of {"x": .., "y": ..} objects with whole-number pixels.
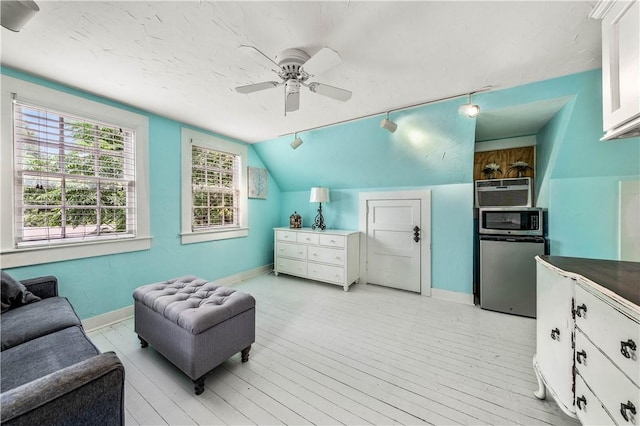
[
  {"x": 26, "y": 256},
  {"x": 216, "y": 235}
]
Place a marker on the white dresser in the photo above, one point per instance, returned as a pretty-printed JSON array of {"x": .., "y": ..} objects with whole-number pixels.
[
  {"x": 597, "y": 377},
  {"x": 331, "y": 256}
]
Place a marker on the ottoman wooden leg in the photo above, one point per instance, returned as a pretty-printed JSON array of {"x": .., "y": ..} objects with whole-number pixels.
[
  {"x": 245, "y": 353},
  {"x": 143, "y": 343},
  {"x": 199, "y": 385}
]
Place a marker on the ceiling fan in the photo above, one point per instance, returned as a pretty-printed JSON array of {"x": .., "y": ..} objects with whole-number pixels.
[{"x": 295, "y": 67}]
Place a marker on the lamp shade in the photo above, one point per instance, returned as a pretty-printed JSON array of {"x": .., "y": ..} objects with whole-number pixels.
[
  {"x": 319, "y": 195},
  {"x": 17, "y": 13}
]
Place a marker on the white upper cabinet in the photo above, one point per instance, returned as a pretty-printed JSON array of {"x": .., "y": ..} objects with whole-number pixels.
[{"x": 620, "y": 67}]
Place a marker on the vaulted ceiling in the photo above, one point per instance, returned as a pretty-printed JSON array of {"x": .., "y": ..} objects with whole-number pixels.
[{"x": 180, "y": 59}]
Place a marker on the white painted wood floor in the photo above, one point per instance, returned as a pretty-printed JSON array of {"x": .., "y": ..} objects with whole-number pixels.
[{"x": 370, "y": 356}]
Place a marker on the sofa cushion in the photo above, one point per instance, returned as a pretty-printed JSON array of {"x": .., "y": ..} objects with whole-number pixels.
[
  {"x": 13, "y": 293},
  {"x": 44, "y": 355},
  {"x": 36, "y": 319}
]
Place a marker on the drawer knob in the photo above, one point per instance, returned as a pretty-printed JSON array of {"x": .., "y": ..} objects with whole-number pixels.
[
  {"x": 627, "y": 407},
  {"x": 580, "y": 401},
  {"x": 555, "y": 334},
  {"x": 625, "y": 346},
  {"x": 581, "y": 309},
  {"x": 580, "y": 356}
]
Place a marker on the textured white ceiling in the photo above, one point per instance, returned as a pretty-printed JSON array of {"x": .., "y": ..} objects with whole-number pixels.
[{"x": 180, "y": 59}]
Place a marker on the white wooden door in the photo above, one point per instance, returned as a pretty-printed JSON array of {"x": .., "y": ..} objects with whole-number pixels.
[{"x": 393, "y": 256}]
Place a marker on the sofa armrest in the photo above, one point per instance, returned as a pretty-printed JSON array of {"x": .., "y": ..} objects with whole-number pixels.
[
  {"x": 89, "y": 392},
  {"x": 42, "y": 287}
]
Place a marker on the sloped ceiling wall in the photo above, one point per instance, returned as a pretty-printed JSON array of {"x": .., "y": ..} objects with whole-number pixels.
[{"x": 433, "y": 145}]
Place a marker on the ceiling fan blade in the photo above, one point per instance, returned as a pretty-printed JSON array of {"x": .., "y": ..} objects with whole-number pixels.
[
  {"x": 332, "y": 92},
  {"x": 321, "y": 61},
  {"x": 259, "y": 57},
  {"x": 250, "y": 88},
  {"x": 291, "y": 96}
]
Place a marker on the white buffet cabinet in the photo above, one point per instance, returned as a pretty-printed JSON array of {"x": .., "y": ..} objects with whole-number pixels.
[
  {"x": 588, "y": 332},
  {"x": 331, "y": 256}
]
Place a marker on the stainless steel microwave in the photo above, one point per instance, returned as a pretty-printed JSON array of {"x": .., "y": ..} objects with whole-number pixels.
[{"x": 511, "y": 221}]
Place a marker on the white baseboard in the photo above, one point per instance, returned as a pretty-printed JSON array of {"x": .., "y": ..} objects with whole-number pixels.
[
  {"x": 245, "y": 275},
  {"x": 452, "y": 296},
  {"x": 107, "y": 318},
  {"x": 121, "y": 314}
]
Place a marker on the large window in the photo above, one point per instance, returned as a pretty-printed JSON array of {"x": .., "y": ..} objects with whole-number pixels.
[
  {"x": 214, "y": 188},
  {"x": 74, "y": 177}
]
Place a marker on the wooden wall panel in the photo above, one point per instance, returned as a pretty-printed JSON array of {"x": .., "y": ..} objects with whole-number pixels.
[{"x": 504, "y": 157}]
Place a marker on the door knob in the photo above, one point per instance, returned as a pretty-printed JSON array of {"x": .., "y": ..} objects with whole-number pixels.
[{"x": 416, "y": 234}]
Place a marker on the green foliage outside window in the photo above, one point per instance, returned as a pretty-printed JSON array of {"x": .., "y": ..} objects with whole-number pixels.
[{"x": 53, "y": 197}]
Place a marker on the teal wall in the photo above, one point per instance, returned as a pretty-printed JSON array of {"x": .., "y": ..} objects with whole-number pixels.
[
  {"x": 433, "y": 148},
  {"x": 101, "y": 284}
]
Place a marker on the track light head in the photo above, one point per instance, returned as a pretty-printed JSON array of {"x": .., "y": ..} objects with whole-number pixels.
[
  {"x": 388, "y": 124},
  {"x": 469, "y": 109},
  {"x": 296, "y": 142}
]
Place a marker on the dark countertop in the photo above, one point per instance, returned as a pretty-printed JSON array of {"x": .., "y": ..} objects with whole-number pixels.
[{"x": 623, "y": 278}]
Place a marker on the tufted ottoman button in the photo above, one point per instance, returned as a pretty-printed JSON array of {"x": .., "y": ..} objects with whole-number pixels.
[{"x": 195, "y": 324}]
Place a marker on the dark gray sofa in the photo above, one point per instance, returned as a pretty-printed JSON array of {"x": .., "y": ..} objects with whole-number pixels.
[{"x": 51, "y": 373}]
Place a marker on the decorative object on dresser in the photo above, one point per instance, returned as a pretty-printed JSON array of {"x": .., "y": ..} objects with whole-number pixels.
[
  {"x": 295, "y": 220},
  {"x": 319, "y": 195},
  {"x": 331, "y": 256},
  {"x": 588, "y": 331}
]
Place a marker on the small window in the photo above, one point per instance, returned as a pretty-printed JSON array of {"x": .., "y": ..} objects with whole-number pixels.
[
  {"x": 75, "y": 178},
  {"x": 215, "y": 189},
  {"x": 214, "y": 195}
]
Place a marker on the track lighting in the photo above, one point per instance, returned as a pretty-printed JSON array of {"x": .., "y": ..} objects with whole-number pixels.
[
  {"x": 388, "y": 124},
  {"x": 296, "y": 142},
  {"x": 469, "y": 109}
]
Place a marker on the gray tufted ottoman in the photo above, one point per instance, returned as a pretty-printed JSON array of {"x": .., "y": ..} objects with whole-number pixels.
[{"x": 195, "y": 324}]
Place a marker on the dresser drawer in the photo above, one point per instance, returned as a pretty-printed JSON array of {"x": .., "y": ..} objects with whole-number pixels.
[
  {"x": 327, "y": 255},
  {"x": 332, "y": 240},
  {"x": 282, "y": 235},
  {"x": 326, "y": 273},
  {"x": 608, "y": 328},
  {"x": 290, "y": 266},
  {"x": 605, "y": 380},
  {"x": 589, "y": 409},
  {"x": 307, "y": 238},
  {"x": 297, "y": 251}
]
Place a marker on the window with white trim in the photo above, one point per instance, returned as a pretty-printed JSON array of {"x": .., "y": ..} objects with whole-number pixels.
[
  {"x": 214, "y": 195},
  {"x": 74, "y": 176}
]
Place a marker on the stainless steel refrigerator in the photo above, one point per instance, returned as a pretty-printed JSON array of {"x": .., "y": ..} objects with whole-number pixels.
[{"x": 508, "y": 273}]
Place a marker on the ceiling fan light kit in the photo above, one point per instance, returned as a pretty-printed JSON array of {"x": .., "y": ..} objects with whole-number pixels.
[
  {"x": 15, "y": 14},
  {"x": 295, "y": 67}
]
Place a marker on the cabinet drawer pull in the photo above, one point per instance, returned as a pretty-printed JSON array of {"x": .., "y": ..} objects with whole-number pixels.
[
  {"x": 580, "y": 356},
  {"x": 625, "y": 346},
  {"x": 582, "y": 308},
  {"x": 580, "y": 401},
  {"x": 627, "y": 407},
  {"x": 555, "y": 334}
]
